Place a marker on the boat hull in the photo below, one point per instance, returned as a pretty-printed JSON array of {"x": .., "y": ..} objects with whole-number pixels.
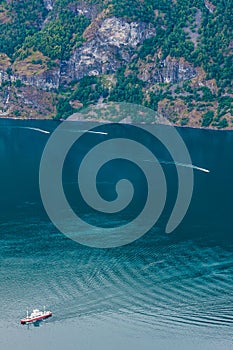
[{"x": 34, "y": 319}]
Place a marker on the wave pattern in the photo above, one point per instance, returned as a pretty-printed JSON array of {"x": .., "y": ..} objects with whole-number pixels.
[{"x": 155, "y": 283}]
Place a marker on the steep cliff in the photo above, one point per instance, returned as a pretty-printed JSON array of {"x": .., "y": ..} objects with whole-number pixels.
[
  {"x": 112, "y": 45},
  {"x": 168, "y": 71},
  {"x": 173, "y": 57}
]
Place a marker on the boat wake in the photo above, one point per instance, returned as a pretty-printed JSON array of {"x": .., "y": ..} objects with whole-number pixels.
[
  {"x": 35, "y": 129},
  {"x": 88, "y": 131},
  {"x": 150, "y": 285},
  {"x": 26, "y": 127},
  {"x": 181, "y": 165}
]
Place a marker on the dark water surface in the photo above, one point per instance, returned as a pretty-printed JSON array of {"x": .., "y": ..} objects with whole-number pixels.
[{"x": 160, "y": 292}]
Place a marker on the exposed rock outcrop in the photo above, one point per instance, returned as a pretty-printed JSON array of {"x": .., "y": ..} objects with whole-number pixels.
[
  {"x": 113, "y": 44},
  {"x": 85, "y": 9},
  {"x": 170, "y": 70},
  {"x": 110, "y": 43},
  {"x": 47, "y": 80},
  {"x": 33, "y": 71},
  {"x": 49, "y": 4},
  {"x": 3, "y": 77},
  {"x": 201, "y": 81},
  {"x": 211, "y": 7},
  {"x": 194, "y": 32},
  {"x": 27, "y": 102}
]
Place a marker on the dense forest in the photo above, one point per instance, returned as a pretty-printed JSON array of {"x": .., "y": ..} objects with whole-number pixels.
[{"x": 47, "y": 35}]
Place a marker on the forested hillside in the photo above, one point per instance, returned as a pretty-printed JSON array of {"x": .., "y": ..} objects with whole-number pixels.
[{"x": 174, "y": 56}]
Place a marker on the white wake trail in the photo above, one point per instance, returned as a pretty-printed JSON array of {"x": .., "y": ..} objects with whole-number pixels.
[
  {"x": 192, "y": 166},
  {"x": 182, "y": 164},
  {"x": 27, "y": 127},
  {"x": 90, "y": 132},
  {"x": 36, "y": 129},
  {"x": 96, "y": 132}
]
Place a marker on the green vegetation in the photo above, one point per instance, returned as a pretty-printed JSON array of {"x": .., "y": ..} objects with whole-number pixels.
[
  {"x": 154, "y": 99},
  {"x": 127, "y": 89},
  {"x": 17, "y": 113},
  {"x": 18, "y": 83},
  {"x": 134, "y": 9},
  {"x": 23, "y": 30},
  {"x": 23, "y": 19},
  {"x": 207, "y": 118},
  {"x": 89, "y": 90},
  {"x": 64, "y": 109},
  {"x": 184, "y": 121},
  {"x": 59, "y": 36},
  {"x": 183, "y": 29},
  {"x": 223, "y": 123}
]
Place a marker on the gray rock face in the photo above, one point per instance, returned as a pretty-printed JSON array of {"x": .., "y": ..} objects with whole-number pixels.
[
  {"x": 48, "y": 80},
  {"x": 82, "y": 8},
  {"x": 49, "y": 4},
  {"x": 117, "y": 32},
  {"x": 211, "y": 7},
  {"x": 3, "y": 77},
  {"x": 170, "y": 70},
  {"x": 112, "y": 46}
]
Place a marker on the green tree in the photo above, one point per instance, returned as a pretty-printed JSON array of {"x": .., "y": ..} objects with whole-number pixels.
[{"x": 207, "y": 118}]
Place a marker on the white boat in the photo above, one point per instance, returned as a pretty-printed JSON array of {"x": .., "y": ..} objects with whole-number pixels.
[{"x": 36, "y": 315}]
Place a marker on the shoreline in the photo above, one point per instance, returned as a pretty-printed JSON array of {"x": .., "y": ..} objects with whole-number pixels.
[{"x": 126, "y": 123}]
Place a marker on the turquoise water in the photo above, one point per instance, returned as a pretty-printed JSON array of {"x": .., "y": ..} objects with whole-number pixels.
[{"x": 160, "y": 292}]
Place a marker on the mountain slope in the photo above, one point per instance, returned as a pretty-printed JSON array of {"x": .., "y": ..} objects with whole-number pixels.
[{"x": 172, "y": 56}]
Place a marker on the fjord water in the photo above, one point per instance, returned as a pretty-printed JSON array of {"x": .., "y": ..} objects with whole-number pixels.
[{"x": 160, "y": 292}]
